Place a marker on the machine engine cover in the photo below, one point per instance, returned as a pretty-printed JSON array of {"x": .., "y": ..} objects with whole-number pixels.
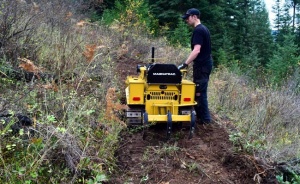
[{"x": 163, "y": 74}]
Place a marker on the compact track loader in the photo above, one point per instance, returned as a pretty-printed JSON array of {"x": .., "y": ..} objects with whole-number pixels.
[{"x": 160, "y": 94}]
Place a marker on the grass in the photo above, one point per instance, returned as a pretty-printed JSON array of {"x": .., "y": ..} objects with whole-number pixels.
[
  {"x": 267, "y": 120},
  {"x": 75, "y": 135},
  {"x": 67, "y": 140}
]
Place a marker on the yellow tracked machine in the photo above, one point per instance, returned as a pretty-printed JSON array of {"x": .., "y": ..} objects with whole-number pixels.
[{"x": 160, "y": 94}]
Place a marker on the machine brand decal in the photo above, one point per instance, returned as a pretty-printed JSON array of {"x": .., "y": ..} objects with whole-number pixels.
[{"x": 164, "y": 74}]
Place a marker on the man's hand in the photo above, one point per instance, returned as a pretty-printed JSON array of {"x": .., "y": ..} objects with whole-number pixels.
[{"x": 182, "y": 66}]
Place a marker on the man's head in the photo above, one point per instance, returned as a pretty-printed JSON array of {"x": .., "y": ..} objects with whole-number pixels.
[{"x": 191, "y": 12}]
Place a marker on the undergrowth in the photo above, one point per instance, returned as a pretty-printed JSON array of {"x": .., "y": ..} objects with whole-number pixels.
[
  {"x": 268, "y": 119},
  {"x": 72, "y": 139},
  {"x": 75, "y": 132},
  {"x": 265, "y": 121}
]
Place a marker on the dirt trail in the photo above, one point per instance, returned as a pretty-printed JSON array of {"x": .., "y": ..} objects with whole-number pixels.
[{"x": 207, "y": 158}]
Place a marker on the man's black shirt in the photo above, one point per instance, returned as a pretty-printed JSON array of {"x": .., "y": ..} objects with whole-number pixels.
[{"x": 201, "y": 36}]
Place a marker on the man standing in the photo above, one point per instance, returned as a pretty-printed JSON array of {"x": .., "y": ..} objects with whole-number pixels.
[{"x": 202, "y": 62}]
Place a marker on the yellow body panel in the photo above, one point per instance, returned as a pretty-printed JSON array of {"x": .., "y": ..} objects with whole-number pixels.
[
  {"x": 164, "y": 118},
  {"x": 135, "y": 90},
  {"x": 187, "y": 91}
]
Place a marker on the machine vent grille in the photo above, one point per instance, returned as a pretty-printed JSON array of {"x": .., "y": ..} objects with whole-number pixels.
[{"x": 157, "y": 95}]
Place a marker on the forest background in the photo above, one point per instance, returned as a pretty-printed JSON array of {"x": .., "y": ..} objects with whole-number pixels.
[
  {"x": 256, "y": 80},
  {"x": 242, "y": 35}
]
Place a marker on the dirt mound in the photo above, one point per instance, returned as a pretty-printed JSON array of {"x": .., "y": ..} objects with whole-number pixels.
[{"x": 206, "y": 158}]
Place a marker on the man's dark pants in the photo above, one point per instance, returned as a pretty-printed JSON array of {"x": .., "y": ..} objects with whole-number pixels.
[{"x": 201, "y": 78}]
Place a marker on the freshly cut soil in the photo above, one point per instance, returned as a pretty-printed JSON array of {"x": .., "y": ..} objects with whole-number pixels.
[{"x": 207, "y": 158}]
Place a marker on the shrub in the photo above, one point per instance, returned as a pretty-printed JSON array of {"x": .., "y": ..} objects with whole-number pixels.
[{"x": 266, "y": 120}]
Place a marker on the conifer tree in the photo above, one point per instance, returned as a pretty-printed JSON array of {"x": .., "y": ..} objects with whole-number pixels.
[
  {"x": 294, "y": 4},
  {"x": 284, "y": 61}
]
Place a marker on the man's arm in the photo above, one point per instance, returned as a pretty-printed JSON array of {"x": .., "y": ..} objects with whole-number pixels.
[{"x": 193, "y": 54}]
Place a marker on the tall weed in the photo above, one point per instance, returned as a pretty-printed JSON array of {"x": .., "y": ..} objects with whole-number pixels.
[{"x": 268, "y": 120}]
